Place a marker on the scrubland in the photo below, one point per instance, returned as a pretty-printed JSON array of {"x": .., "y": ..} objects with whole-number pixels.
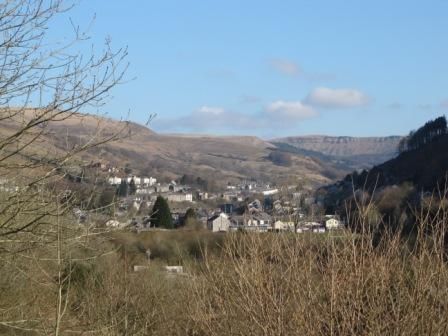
[{"x": 339, "y": 283}]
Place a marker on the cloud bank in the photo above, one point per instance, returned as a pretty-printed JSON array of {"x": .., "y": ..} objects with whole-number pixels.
[
  {"x": 209, "y": 118},
  {"x": 287, "y": 114},
  {"x": 337, "y": 98},
  {"x": 289, "y": 110},
  {"x": 293, "y": 69}
]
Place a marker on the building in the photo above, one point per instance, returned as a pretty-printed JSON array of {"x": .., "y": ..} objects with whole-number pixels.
[
  {"x": 219, "y": 223},
  {"x": 145, "y": 190},
  {"x": 137, "y": 180},
  {"x": 319, "y": 229},
  {"x": 283, "y": 226},
  {"x": 259, "y": 219},
  {"x": 149, "y": 181},
  {"x": 203, "y": 195},
  {"x": 230, "y": 196},
  {"x": 310, "y": 227},
  {"x": 332, "y": 223},
  {"x": 114, "y": 180},
  {"x": 227, "y": 208},
  {"x": 270, "y": 192},
  {"x": 256, "y": 221},
  {"x": 187, "y": 197}
]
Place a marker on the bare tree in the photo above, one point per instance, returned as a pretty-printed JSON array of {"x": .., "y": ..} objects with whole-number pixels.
[
  {"x": 41, "y": 84},
  {"x": 44, "y": 84}
]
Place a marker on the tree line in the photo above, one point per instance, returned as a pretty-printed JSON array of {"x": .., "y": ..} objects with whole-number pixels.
[
  {"x": 125, "y": 189},
  {"x": 424, "y": 135}
]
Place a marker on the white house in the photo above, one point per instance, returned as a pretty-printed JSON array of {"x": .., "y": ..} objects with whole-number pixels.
[
  {"x": 203, "y": 195},
  {"x": 310, "y": 227},
  {"x": 320, "y": 229},
  {"x": 333, "y": 223},
  {"x": 137, "y": 180},
  {"x": 259, "y": 219},
  {"x": 283, "y": 226},
  {"x": 114, "y": 180},
  {"x": 149, "y": 181},
  {"x": 270, "y": 192},
  {"x": 188, "y": 197},
  {"x": 145, "y": 190},
  {"x": 219, "y": 223}
]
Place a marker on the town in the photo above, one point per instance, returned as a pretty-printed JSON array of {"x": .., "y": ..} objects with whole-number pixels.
[
  {"x": 245, "y": 206},
  {"x": 223, "y": 168}
]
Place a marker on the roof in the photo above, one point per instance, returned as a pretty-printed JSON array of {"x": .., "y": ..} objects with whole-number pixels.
[
  {"x": 260, "y": 215},
  {"x": 211, "y": 219},
  {"x": 223, "y": 215}
]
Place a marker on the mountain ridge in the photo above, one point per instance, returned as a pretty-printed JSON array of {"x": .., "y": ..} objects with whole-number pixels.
[
  {"x": 353, "y": 152},
  {"x": 218, "y": 158}
]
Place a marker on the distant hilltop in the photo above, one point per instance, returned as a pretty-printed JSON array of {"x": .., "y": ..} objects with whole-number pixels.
[
  {"x": 354, "y": 152},
  {"x": 220, "y": 159}
]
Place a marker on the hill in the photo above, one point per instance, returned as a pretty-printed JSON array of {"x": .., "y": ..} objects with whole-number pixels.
[
  {"x": 401, "y": 183},
  {"x": 425, "y": 168},
  {"x": 348, "y": 152},
  {"x": 218, "y": 159}
]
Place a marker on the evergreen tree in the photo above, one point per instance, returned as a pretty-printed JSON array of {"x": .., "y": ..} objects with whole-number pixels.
[
  {"x": 190, "y": 216},
  {"x": 122, "y": 190},
  {"x": 161, "y": 214},
  {"x": 132, "y": 187},
  {"x": 190, "y": 213},
  {"x": 425, "y": 134}
]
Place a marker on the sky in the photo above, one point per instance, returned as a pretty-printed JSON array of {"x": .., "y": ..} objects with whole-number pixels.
[{"x": 274, "y": 68}]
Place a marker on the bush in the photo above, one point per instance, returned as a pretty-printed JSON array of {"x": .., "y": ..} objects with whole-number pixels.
[
  {"x": 161, "y": 214},
  {"x": 280, "y": 158},
  {"x": 322, "y": 285}
]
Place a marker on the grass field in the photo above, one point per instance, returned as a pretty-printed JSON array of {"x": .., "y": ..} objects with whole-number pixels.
[{"x": 235, "y": 284}]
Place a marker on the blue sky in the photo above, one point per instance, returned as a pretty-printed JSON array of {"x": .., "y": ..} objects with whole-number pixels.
[{"x": 276, "y": 68}]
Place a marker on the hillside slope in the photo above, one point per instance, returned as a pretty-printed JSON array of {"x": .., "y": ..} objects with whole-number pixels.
[
  {"x": 218, "y": 159},
  {"x": 350, "y": 152},
  {"x": 425, "y": 168},
  {"x": 396, "y": 188}
]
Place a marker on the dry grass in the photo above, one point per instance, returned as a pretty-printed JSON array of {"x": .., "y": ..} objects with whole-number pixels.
[
  {"x": 254, "y": 284},
  {"x": 327, "y": 285}
]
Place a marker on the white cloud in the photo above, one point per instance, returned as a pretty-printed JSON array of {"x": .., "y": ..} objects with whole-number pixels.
[
  {"x": 293, "y": 69},
  {"x": 290, "y": 110},
  {"x": 337, "y": 98},
  {"x": 286, "y": 67},
  {"x": 209, "y": 119},
  {"x": 210, "y": 110}
]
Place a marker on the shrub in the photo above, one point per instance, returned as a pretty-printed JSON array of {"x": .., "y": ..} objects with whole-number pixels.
[
  {"x": 161, "y": 214},
  {"x": 280, "y": 158}
]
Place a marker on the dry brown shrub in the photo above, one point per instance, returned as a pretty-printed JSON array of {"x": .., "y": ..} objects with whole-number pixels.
[{"x": 337, "y": 284}]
